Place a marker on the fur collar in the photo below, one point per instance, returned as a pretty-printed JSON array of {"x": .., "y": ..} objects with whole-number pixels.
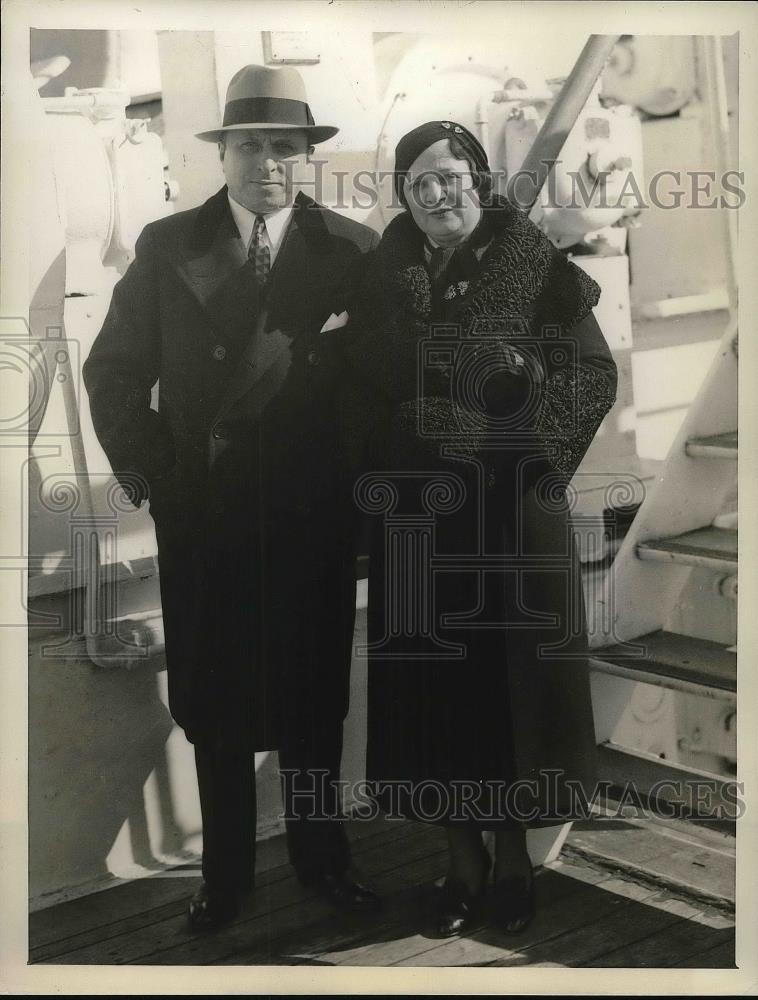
[{"x": 521, "y": 274}]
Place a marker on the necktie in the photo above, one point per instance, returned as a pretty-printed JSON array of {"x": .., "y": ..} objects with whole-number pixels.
[
  {"x": 258, "y": 251},
  {"x": 439, "y": 258}
]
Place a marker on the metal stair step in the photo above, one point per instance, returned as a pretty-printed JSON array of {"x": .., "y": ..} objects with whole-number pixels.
[
  {"x": 694, "y": 861},
  {"x": 713, "y": 446},
  {"x": 707, "y": 548},
  {"x": 669, "y": 659},
  {"x": 669, "y": 787}
]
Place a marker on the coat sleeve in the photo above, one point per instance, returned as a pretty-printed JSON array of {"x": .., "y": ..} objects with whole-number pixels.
[
  {"x": 580, "y": 375},
  {"x": 381, "y": 351},
  {"x": 562, "y": 376},
  {"x": 354, "y": 279},
  {"x": 119, "y": 374}
]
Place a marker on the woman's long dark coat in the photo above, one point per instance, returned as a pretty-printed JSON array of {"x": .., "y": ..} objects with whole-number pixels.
[{"x": 481, "y": 442}]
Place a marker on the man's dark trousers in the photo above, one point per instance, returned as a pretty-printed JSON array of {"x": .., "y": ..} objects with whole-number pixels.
[
  {"x": 260, "y": 690},
  {"x": 316, "y": 839}
]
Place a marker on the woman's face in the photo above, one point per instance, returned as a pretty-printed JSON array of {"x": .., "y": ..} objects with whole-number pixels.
[{"x": 441, "y": 197}]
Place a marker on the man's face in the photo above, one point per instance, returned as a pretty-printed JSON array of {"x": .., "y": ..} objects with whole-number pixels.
[{"x": 262, "y": 167}]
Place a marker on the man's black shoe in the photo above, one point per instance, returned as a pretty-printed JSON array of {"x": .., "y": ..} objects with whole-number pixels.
[
  {"x": 211, "y": 908},
  {"x": 345, "y": 892}
]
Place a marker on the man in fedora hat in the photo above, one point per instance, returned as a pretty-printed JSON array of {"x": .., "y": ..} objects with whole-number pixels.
[{"x": 224, "y": 305}]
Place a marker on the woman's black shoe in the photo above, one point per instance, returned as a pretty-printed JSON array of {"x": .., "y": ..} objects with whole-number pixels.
[
  {"x": 457, "y": 910},
  {"x": 514, "y": 902}
]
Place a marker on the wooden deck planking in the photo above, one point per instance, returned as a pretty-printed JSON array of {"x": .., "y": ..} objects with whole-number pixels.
[
  {"x": 546, "y": 896},
  {"x": 586, "y": 916},
  {"x": 340, "y": 933},
  {"x": 682, "y": 940},
  {"x": 490, "y": 946},
  {"x": 583, "y": 945},
  {"x": 282, "y": 904},
  {"x": 256, "y": 941},
  {"x": 364, "y": 950},
  {"x": 721, "y": 956},
  {"x": 107, "y": 915},
  {"x": 555, "y": 893},
  {"x": 577, "y": 910},
  {"x": 102, "y": 912}
]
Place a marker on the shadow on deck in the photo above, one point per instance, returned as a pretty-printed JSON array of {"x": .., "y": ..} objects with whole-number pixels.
[{"x": 587, "y": 916}]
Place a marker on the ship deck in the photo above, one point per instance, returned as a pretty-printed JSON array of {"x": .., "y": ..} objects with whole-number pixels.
[{"x": 621, "y": 895}]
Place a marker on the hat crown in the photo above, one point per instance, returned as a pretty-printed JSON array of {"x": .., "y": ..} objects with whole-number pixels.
[
  {"x": 260, "y": 97},
  {"x": 263, "y": 81}
]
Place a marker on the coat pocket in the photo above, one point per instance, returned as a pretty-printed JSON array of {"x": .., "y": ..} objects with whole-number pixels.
[{"x": 166, "y": 495}]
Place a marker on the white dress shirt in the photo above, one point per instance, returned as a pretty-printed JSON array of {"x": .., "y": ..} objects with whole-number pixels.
[{"x": 276, "y": 225}]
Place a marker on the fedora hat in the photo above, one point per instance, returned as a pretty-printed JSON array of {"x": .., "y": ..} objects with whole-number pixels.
[{"x": 261, "y": 97}]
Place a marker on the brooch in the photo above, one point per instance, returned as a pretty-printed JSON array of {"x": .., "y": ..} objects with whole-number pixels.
[{"x": 459, "y": 288}]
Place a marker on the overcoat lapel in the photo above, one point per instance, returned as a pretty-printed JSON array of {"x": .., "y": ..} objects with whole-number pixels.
[
  {"x": 212, "y": 262},
  {"x": 286, "y": 310},
  {"x": 300, "y": 270}
]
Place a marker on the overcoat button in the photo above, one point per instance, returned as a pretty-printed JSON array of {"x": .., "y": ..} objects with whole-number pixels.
[
  {"x": 313, "y": 358},
  {"x": 219, "y": 352},
  {"x": 220, "y": 431}
]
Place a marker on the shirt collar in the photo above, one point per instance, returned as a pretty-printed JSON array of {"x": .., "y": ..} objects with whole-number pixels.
[
  {"x": 276, "y": 222},
  {"x": 476, "y": 243}
]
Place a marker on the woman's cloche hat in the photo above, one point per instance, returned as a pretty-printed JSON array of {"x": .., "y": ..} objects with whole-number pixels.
[{"x": 261, "y": 97}]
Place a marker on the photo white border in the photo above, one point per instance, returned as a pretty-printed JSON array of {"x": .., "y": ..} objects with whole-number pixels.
[{"x": 427, "y": 16}]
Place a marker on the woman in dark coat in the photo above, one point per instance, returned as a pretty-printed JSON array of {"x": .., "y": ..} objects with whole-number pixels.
[{"x": 490, "y": 377}]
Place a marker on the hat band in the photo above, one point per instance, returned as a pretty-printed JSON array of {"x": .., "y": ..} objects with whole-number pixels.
[{"x": 279, "y": 110}]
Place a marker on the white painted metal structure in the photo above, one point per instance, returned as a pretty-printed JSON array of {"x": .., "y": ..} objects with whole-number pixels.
[
  {"x": 680, "y": 530},
  {"x": 646, "y": 579}
]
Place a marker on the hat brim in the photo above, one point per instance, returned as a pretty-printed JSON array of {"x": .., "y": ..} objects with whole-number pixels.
[{"x": 316, "y": 133}]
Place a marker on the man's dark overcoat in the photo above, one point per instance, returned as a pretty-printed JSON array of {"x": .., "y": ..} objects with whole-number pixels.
[{"x": 239, "y": 462}]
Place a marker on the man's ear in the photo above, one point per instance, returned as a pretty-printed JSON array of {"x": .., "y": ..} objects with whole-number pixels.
[
  {"x": 309, "y": 153},
  {"x": 221, "y": 149}
]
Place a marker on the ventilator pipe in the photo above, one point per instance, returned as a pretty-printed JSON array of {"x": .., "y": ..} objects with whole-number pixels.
[
  {"x": 98, "y": 101},
  {"x": 515, "y": 90},
  {"x": 525, "y": 185}
]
